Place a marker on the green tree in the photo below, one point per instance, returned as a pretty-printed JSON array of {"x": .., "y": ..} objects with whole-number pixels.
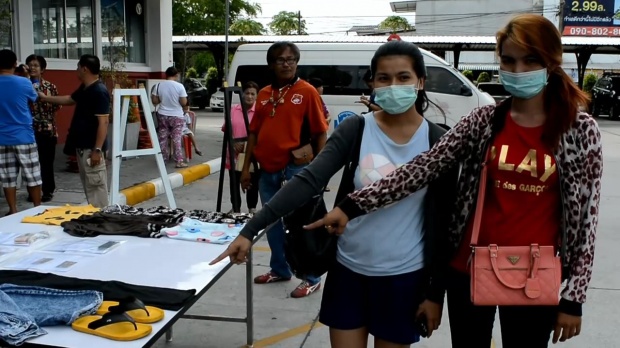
[
  {"x": 246, "y": 26},
  {"x": 208, "y": 17},
  {"x": 202, "y": 62},
  {"x": 484, "y": 77},
  {"x": 5, "y": 24},
  {"x": 469, "y": 74},
  {"x": 288, "y": 23},
  {"x": 395, "y": 24},
  {"x": 589, "y": 81},
  {"x": 191, "y": 73}
]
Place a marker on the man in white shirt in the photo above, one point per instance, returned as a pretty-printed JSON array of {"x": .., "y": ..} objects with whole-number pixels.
[{"x": 171, "y": 98}]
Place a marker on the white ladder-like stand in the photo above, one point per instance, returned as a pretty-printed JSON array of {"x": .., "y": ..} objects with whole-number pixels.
[{"x": 118, "y": 135}]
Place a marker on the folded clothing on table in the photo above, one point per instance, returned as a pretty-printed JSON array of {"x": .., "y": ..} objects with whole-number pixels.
[
  {"x": 164, "y": 298},
  {"x": 56, "y": 216},
  {"x": 103, "y": 223},
  {"x": 202, "y": 215},
  {"x": 206, "y": 232},
  {"x": 25, "y": 309}
]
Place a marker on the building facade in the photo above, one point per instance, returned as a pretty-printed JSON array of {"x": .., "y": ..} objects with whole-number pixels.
[{"x": 63, "y": 30}]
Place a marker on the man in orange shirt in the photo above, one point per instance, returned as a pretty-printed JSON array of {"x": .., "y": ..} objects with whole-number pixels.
[{"x": 287, "y": 131}]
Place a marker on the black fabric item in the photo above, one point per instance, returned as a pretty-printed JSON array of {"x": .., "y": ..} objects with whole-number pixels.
[
  {"x": 251, "y": 195},
  {"x": 309, "y": 253},
  {"x": 312, "y": 253},
  {"x": 114, "y": 224},
  {"x": 202, "y": 215},
  {"x": 164, "y": 298},
  {"x": 46, "y": 146}
]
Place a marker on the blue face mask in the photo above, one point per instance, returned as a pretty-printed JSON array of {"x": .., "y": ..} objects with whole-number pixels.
[
  {"x": 524, "y": 85},
  {"x": 396, "y": 99}
]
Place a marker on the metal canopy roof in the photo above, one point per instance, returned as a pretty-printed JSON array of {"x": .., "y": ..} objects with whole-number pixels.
[{"x": 605, "y": 45}]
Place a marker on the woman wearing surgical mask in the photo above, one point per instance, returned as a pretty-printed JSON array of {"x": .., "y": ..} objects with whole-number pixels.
[
  {"x": 544, "y": 170},
  {"x": 387, "y": 280}
]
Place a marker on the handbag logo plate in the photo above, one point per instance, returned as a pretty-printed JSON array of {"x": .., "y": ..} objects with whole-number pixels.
[{"x": 513, "y": 259}]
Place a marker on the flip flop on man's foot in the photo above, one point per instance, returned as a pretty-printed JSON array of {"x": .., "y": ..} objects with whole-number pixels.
[{"x": 198, "y": 152}]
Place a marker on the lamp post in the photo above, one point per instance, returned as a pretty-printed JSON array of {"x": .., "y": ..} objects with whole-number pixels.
[{"x": 226, "y": 39}]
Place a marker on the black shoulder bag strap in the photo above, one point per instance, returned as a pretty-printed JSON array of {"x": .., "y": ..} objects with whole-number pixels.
[{"x": 347, "y": 183}]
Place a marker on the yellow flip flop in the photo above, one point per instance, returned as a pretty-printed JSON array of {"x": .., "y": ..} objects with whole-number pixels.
[
  {"x": 113, "y": 326},
  {"x": 134, "y": 308}
]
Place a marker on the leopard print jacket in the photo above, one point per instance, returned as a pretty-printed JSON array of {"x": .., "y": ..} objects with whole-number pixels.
[{"x": 580, "y": 165}]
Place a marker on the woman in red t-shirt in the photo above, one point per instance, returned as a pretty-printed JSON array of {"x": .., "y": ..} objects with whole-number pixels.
[{"x": 544, "y": 181}]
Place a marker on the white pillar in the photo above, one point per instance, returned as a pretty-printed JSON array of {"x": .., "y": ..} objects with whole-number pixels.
[
  {"x": 159, "y": 34},
  {"x": 24, "y": 33}
]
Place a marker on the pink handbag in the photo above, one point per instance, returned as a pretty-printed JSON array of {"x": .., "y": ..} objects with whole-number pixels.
[{"x": 512, "y": 276}]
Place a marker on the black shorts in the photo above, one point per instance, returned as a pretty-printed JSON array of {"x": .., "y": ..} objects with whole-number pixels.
[{"x": 385, "y": 305}]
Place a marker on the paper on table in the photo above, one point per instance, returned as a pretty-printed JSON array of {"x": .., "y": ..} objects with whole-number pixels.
[
  {"x": 26, "y": 239},
  {"x": 6, "y": 250},
  {"x": 46, "y": 262},
  {"x": 91, "y": 246}
]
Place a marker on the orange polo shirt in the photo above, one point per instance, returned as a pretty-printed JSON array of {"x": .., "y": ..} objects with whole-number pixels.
[{"x": 278, "y": 134}]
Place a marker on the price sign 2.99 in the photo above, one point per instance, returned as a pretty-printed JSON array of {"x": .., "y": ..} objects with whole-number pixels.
[{"x": 591, "y": 18}]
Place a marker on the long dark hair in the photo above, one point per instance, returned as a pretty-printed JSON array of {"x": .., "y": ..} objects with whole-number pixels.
[
  {"x": 562, "y": 99},
  {"x": 404, "y": 48}
]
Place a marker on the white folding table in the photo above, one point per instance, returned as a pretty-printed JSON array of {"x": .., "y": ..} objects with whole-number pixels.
[{"x": 162, "y": 262}]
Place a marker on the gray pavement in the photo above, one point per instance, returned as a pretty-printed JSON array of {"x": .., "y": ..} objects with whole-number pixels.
[{"x": 281, "y": 321}]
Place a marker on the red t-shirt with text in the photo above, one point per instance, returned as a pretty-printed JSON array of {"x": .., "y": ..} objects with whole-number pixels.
[{"x": 522, "y": 204}]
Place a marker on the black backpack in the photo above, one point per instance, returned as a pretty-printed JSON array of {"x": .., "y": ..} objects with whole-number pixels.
[{"x": 311, "y": 253}]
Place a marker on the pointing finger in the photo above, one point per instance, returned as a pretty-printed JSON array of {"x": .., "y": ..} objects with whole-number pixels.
[
  {"x": 316, "y": 224},
  {"x": 222, "y": 256}
]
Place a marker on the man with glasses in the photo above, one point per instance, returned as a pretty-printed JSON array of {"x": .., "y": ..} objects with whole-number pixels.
[{"x": 287, "y": 131}]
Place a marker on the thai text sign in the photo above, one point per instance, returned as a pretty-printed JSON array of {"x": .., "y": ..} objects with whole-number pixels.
[{"x": 591, "y": 18}]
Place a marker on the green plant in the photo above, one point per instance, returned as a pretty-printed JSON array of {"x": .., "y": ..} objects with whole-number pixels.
[
  {"x": 213, "y": 82},
  {"x": 484, "y": 77},
  {"x": 589, "y": 81},
  {"x": 191, "y": 73},
  {"x": 469, "y": 74}
]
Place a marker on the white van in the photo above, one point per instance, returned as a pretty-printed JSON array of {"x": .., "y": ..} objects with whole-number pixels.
[{"x": 342, "y": 67}]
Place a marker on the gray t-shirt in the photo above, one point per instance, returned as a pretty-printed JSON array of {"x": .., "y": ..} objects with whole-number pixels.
[{"x": 388, "y": 241}]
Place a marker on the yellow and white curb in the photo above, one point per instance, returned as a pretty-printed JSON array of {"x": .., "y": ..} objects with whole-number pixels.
[{"x": 143, "y": 192}]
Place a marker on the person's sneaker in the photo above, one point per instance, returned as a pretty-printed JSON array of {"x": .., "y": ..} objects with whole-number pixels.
[
  {"x": 269, "y": 277},
  {"x": 304, "y": 289},
  {"x": 47, "y": 197}
]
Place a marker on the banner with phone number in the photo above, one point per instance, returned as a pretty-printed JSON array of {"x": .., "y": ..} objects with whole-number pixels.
[{"x": 591, "y": 18}]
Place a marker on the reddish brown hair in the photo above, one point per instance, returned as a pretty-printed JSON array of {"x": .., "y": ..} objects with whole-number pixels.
[{"x": 562, "y": 99}]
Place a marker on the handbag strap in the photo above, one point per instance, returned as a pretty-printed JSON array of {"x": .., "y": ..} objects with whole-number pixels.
[{"x": 480, "y": 202}]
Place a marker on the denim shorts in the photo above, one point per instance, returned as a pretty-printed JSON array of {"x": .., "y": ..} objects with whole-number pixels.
[
  {"x": 385, "y": 305},
  {"x": 25, "y": 309}
]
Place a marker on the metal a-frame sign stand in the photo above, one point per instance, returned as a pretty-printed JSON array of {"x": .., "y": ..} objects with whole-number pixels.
[
  {"x": 118, "y": 135},
  {"x": 228, "y": 144}
]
